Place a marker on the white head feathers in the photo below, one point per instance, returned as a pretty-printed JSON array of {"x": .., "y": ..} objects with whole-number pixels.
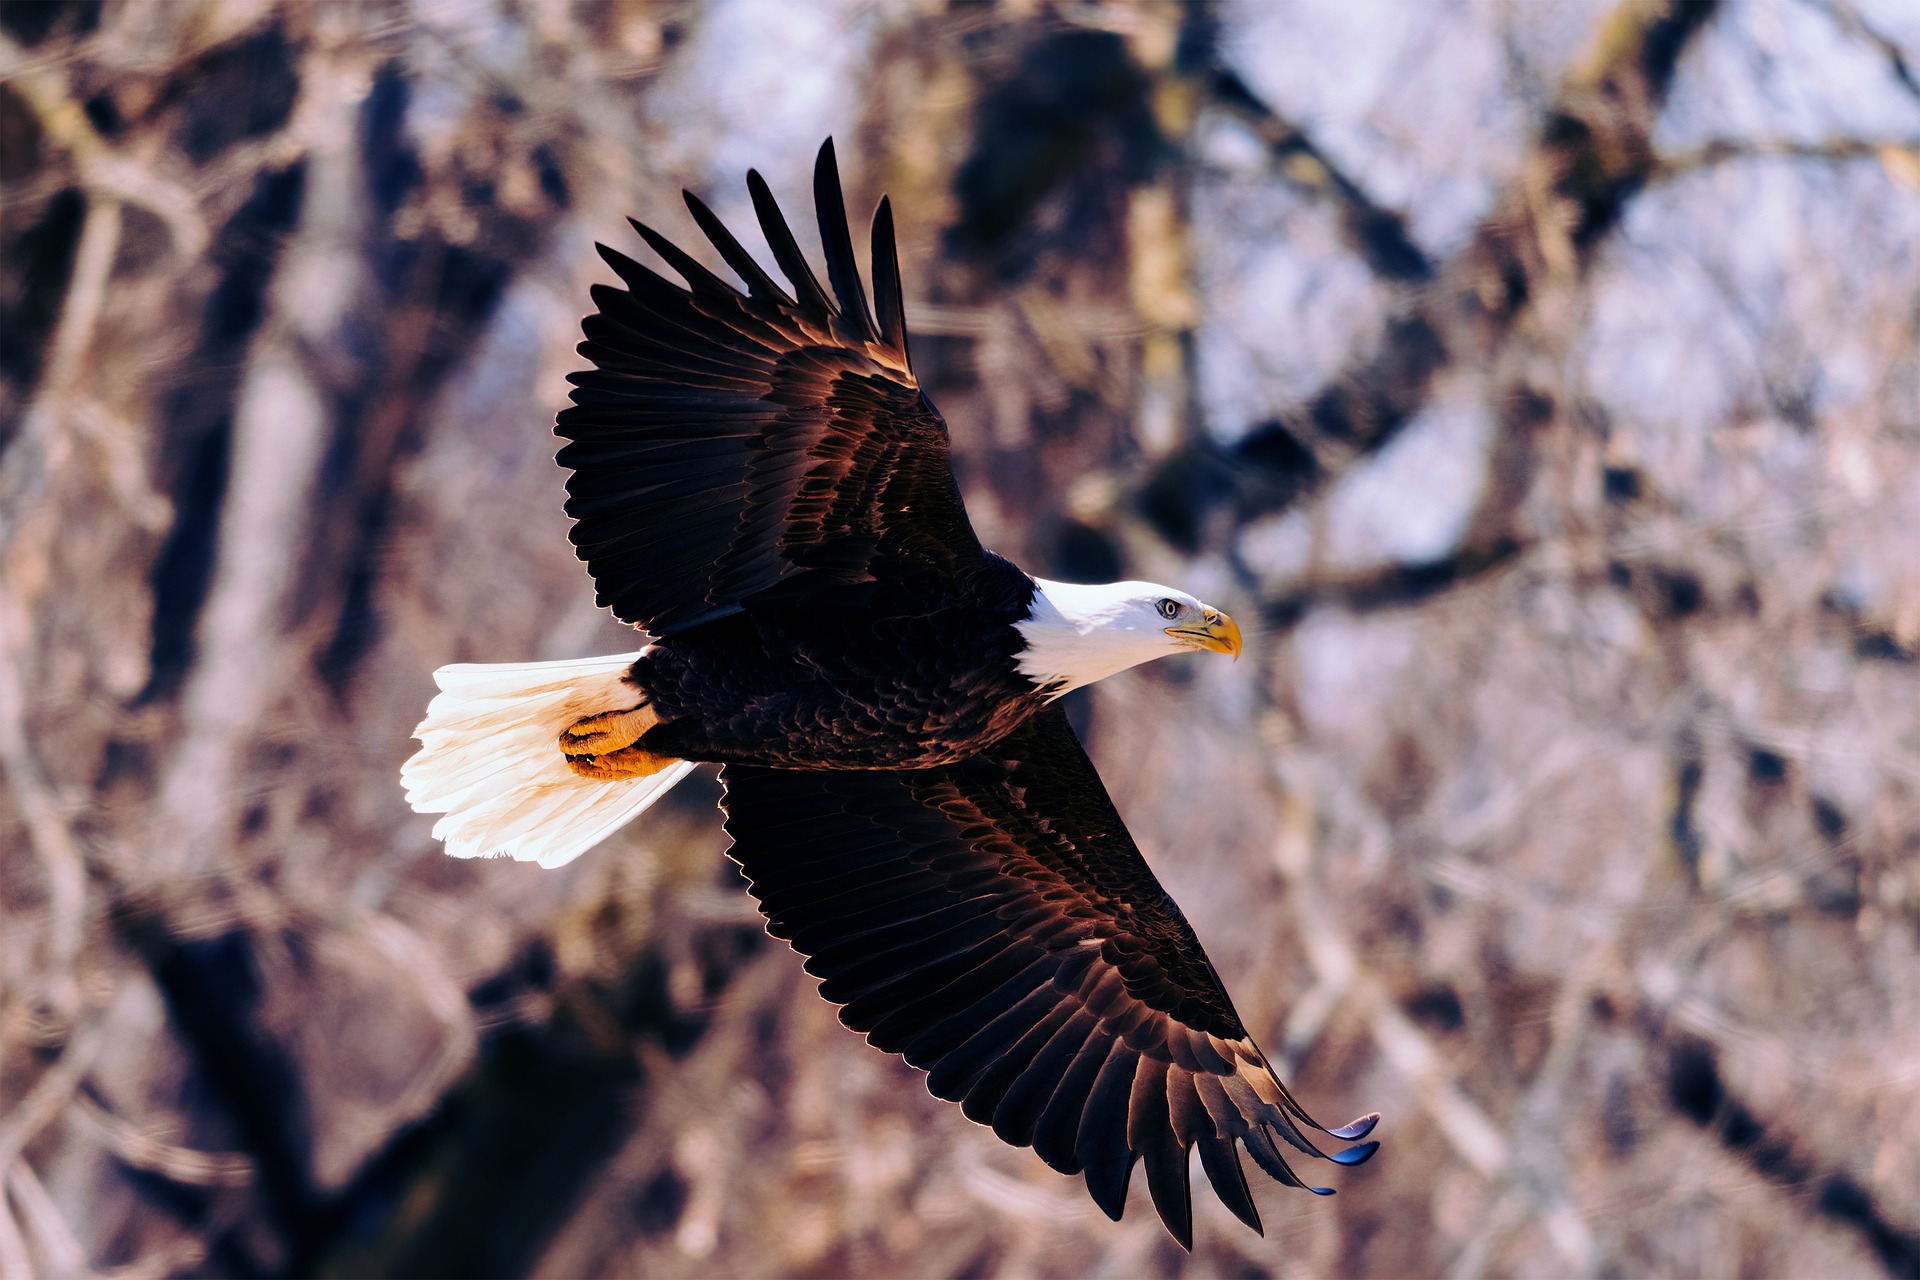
[{"x": 1077, "y": 634}]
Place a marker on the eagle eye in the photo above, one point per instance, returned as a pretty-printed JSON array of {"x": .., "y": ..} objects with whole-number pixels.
[{"x": 1168, "y": 608}]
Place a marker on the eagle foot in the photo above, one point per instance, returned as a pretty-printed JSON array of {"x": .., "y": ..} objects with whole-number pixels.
[
  {"x": 614, "y": 766},
  {"x": 605, "y": 746},
  {"x": 608, "y": 732}
]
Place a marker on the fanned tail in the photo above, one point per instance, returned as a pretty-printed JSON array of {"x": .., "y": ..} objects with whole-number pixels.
[{"x": 490, "y": 760}]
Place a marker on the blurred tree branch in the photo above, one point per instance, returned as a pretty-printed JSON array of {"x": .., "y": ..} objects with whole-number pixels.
[
  {"x": 1592, "y": 153},
  {"x": 1900, "y": 157},
  {"x": 1848, "y": 18},
  {"x": 102, "y": 168},
  {"x": 1379, "y": 235}
]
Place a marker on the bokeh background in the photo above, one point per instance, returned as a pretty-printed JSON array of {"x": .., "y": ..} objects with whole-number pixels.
[{"x": 1539, "y": 382}]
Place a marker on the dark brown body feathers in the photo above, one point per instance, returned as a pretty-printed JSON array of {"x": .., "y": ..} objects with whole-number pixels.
[{"x": 854, "y": 678}]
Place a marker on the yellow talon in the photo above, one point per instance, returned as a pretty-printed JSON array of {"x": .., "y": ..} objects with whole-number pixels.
[
  {"x": 628, "y": 762},
  {"x": 604, "y": 746},
  {"x": 608, "y": 732}
]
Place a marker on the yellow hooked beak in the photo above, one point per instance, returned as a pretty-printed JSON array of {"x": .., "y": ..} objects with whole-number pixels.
[{"x": 1217, "y": 632}]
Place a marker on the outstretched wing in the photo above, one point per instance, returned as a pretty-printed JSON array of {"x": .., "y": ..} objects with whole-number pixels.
[
  {"x": 728, "y": 447},
  {"x": 993, "y": 923}
]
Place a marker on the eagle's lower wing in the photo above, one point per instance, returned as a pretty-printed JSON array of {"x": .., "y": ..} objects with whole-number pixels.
[
  {"x": 993, "y": 923},
  {"x": 729, "y": 446}
]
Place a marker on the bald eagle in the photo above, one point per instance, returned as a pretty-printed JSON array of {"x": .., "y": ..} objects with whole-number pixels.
[{"x": 759, "y": 484}]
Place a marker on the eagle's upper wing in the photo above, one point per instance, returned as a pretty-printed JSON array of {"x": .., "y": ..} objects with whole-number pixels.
[
  {"x": 993, "y": 923},
  {"x": 731, "y": 446}
]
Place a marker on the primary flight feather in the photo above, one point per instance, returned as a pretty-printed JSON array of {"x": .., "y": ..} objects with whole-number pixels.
[{"x": 759, "y": 484}]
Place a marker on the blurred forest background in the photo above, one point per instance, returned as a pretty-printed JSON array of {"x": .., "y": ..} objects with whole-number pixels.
[{"x": 1539, "y": 382}]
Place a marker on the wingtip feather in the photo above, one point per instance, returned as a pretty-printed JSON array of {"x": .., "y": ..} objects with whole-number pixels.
[
  {"x": 698, "y": 278},
  {"x": 1107, "y": 1185},
  {"x": 810, "y": 298},
  {"x": 1355, "y": 1155},
  {"x": 1356, "y": 1129},
  {"x": 1221, "y": 1160},
  {"x": 889, "y": 293},
  {"x": 759, "y": 284},
  {"x": 830, "y": 212}
]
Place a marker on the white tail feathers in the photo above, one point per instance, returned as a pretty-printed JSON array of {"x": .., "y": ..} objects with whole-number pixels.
[{"x": 490, "y": 760}]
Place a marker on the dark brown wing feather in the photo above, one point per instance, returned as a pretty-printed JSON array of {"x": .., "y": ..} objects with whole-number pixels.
[
  {"x": 993, "y": 923},
  {"x": 728, "y": 447}
]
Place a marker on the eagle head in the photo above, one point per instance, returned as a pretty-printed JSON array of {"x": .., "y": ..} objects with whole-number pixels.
[{"x": 1077, "y": 633}]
